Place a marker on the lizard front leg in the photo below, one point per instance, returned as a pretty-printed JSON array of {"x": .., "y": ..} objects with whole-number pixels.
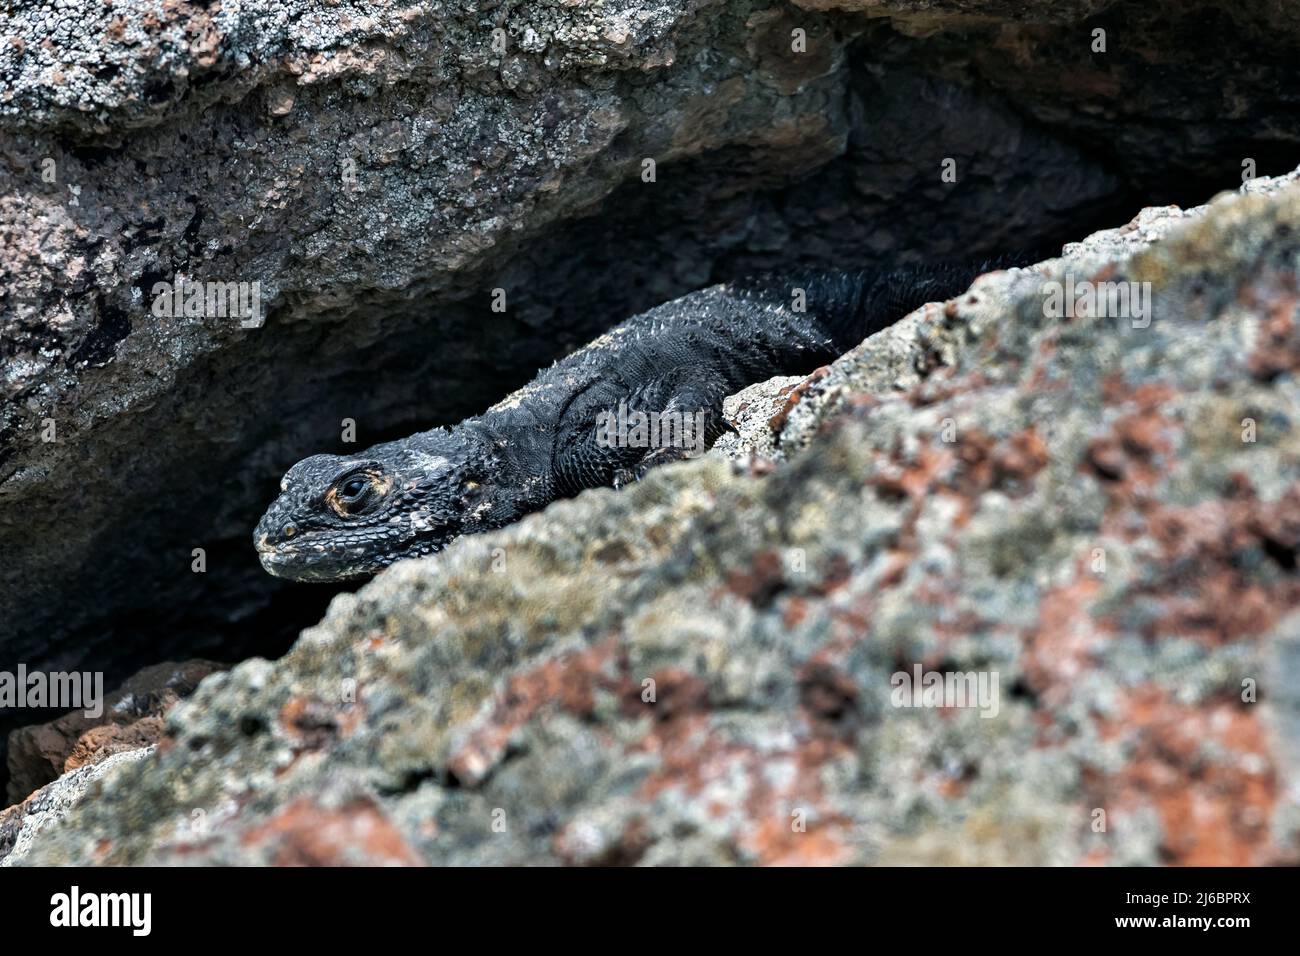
[{"x": 614, "y": 434}]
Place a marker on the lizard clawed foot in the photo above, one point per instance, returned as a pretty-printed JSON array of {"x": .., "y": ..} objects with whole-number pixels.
[
  {"x": 660, "y": 456},
  {"x": 652, "y": 459}
]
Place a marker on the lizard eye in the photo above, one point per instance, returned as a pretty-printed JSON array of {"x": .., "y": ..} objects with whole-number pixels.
[
  {"x": 353, "y": 489},
  {"x": 358, "y": 490},
  {"x": 352, "y": 495}
]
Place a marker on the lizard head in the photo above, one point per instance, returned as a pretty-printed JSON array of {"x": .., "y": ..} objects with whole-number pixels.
[{"x": 348, "y": 517}]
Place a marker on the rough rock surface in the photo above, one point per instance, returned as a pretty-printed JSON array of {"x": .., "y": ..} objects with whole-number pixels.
[
  {"x": 380, "y": 167},
  {"x": 22, "y": 823},
  {"x": 132, "y": 717},
  {"x": 1102, "y": 511},
  {"x": 751, "y": 412}
]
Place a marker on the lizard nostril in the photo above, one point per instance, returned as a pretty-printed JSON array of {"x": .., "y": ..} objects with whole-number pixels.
[{"x": 289, "y": 530}]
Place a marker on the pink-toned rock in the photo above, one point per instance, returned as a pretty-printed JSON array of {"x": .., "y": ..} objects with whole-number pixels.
[{"x": 131, "y": 719}]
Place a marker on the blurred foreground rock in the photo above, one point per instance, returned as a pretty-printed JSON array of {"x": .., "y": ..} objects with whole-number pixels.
[{"x": 1101, "y": 514}]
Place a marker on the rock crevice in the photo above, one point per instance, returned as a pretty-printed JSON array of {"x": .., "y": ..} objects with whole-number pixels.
[{"x": 709, "y": 667}]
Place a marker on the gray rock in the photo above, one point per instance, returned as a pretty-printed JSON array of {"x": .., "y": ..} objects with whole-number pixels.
[
  {"x": 704, "y": 668},
  {"x": 378, "y": 168},
  {"x": 22, "y": 824}
]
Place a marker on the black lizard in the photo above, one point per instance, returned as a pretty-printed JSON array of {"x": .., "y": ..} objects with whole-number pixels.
[{"x": 340, "y": 517}]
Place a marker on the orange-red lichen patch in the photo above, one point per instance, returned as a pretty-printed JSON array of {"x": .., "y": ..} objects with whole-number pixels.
[
  {"x": 568, "y": 681},
  {"x": 1008, "y": 466},
  {"x": 794, "y": 611},
  {"x": 1278, "y": 350},
  {"x": 771, "y": 793},
  {"x": 1208, "y": 580},
  {"x": 1134, "y": 455},
  {"x": 760, "y": 581},
  {"x": 780, "y": 817},
  {"x": 678, "y": 696},
  {"x": 944, "y": 386},
  {"x": 765, "y": 578},
  {"x": 1065, "y": 638},
  {"x": 1205, "y": 768},
  {"x": 793, "y": 397},
  {"x": 775, "y": 843},
  {"x": 903, "y": 479},
  {"x": 1273, "y": 294},
  {"x": 314, "y": 725},
  {"x": 305, "y": 834}
]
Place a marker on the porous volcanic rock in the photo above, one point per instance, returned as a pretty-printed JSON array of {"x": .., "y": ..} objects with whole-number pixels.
[{"x": 1100, "y": 510}]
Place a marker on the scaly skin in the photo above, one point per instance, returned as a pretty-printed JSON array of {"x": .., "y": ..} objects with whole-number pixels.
[{"x": 348, "y": 517}]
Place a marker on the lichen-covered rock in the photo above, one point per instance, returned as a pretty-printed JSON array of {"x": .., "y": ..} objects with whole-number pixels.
[
  {"x": 897, "y": 358},
  {"x": 1095, "y": 514},
  {"x": 380, "y": 168},
  {"x": 754, "y": 414},
  {"x": 22, "y": 823}
]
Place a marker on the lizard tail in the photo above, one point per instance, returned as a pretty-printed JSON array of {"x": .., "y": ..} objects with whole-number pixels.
[{"x": 852, "y": 306}]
